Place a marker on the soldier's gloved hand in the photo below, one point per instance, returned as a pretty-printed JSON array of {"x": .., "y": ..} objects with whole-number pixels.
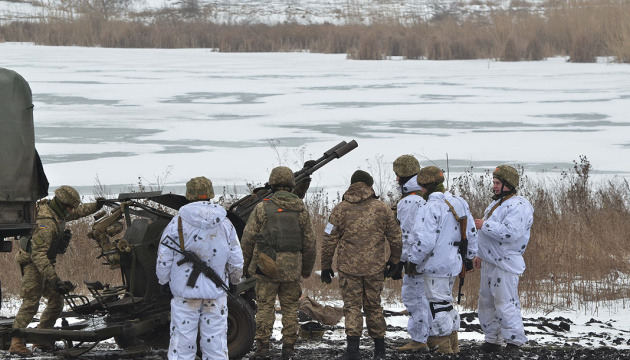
[
  {"x": 309, "y": 163},
  {"x": 232, "y": 289},
  {"x": 469, "y": 265},
  {"x": 165, "y": 290},
  {"x": 62, "y": 287},
  {"x": 399, "y": 269},
  {"x": 100, "y": 201},
  {"x": 327, "y": 275},
  {"x": 390, "y": 269}
]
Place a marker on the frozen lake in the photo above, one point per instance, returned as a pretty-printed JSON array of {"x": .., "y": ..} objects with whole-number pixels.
[{"x": 123, "y": 113}]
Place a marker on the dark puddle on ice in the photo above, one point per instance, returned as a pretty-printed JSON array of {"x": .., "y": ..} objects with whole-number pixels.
[{"x": 235, "y": 98}]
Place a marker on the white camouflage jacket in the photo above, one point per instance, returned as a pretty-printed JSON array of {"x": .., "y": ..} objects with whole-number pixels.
[
  {"x": 435, "y": 233},
  {"x": 209, "y": 234},
  {"x": 406, "y": 210},
  {"x": 504, "y": 235}
]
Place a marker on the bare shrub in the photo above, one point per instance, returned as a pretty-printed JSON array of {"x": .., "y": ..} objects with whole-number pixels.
[
  {"x": 584, "y": 49},
  {"x": 368, "y": 48},
  {"x": 511, "y": 51}
]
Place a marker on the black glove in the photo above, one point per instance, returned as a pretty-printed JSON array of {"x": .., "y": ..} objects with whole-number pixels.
[
  {"x": 165, "y": 290},
  {"x": 469, "y": 265},
  {"x": 100, "y": 201},
  {"x": 327, "y": 275},
  {"x": 309, "y": 163},
  {"x": 64, "y": 242},
  {"x": 233, "y": 289},
  {"x": 390, "y": 269},
  {"x": 62, "y": 287},
  {"x": 398, "y": 275}
]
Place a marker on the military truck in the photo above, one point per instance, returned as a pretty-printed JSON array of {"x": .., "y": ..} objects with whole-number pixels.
[
  {"x": 22, "y": 178},
  {"x": 135, "y": 313}
]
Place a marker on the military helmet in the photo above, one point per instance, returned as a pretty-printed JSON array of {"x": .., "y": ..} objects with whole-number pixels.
[
  {"x": 68, "y": 196},
  {"x": 281, "y": 176},
  {"x": 507, "y": 174},
  {"x": 430, "y": 175},
  {"x": 406, "y": 165},
  {"x": 199, "y": 188}
]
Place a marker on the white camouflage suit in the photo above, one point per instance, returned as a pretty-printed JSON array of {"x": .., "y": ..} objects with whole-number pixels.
[
  {"x": 503, "y": 238},
  {"x": 434, "y": 234},
  {"x": 209, "y": 234},
  {"x": 413, "y": 294}
]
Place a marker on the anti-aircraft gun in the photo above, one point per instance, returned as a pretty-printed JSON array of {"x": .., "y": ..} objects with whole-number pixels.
[{"x": 135, "y": 313}]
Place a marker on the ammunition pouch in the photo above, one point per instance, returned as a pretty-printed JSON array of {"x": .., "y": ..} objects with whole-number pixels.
[
  {"x": 64, "y": 241},
  {"x": 444, "y": 306},
  {"x": 266, "y": 266}
]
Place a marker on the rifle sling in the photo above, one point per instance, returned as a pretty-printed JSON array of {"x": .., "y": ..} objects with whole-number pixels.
[
  {"x": 463, "y": 222},
  {"x": 194, "y": 275},
  {"x": 498, "y": 204}
]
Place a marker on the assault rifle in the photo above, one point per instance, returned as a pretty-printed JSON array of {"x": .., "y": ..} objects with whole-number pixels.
[
  {"x": 243, "y": 207},
  {"x": 199, "y": 267},
  {"x": 462, "y": 249}
]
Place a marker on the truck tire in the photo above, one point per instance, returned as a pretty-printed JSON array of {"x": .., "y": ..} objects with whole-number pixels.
[{"x": 241, "y": 327}]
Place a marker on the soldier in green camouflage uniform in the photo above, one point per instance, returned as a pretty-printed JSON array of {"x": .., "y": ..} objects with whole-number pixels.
[
  {"x": 363, "y": 229},
  {"x": 37, "y": 257},
  {"x": 278, "y": 247}
]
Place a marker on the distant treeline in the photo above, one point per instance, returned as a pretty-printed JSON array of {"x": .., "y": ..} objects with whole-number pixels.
[{"x": 582, "y": 30}]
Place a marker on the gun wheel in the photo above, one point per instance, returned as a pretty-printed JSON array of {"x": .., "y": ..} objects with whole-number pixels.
[{"x": 241, "y": 327}]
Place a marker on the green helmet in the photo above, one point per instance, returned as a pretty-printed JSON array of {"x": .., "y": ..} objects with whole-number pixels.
[
  {"x": 406, "y": 165},
  {"x": 199, "y": 188},
  {"x": 430, "y": 175},
  {"x": 68, "y": 196},
  {"x": 507, "y": 174},
  {"x": 281, "y": 176}
]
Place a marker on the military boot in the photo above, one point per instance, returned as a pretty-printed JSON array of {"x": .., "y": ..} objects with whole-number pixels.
[
  {"x": 441, "y": 344},
  {"x": 262, "y": 350},
  {"x": 18, "y": 347},
  {"x": 288, "y": 350},
  {"x": 352, "y": 350},
  {"x": 379, "y": 348},
  {"x": 413, "y": 346},
  {"x": 454, "y": 342}
]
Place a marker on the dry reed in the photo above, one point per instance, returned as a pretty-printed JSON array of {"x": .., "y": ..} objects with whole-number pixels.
[{"x": 582, "y": 30}]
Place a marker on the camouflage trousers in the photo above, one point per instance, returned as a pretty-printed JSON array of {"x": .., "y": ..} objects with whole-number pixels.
[
  {"x": 33, "y": 287},
  {"x": 288, "y": 293},
  {"x": 363, "y": 292}
]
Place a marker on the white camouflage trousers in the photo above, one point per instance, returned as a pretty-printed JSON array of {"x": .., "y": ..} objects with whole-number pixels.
[
  {"x": 439, "y": 290},
  {"x": 499, "y": 306},
  {"x": 207, "y": 315},
  {"x": 414, "y": 298}
]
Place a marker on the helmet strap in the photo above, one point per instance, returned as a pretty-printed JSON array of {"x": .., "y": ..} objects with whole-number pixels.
[{"x": 402, "y": 180}]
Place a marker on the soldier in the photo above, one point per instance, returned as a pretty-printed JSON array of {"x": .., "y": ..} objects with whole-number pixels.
[
  {"x": 278, "y": 248},
  {"x": 436, "y": 237},
  {"x": 199, "y": 305},
  {"x": 37, "y": 256},
  {"x": 363, "y": 229},
  {"x": 503, "y": 236},
  {"x": 406, "y": 168}
]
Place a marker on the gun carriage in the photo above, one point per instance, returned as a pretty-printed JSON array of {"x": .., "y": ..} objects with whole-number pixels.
[{"x": 135, "y": 313}]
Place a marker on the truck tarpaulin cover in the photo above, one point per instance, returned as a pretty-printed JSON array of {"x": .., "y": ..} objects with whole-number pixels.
[{"x": 22, "y": 176}]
